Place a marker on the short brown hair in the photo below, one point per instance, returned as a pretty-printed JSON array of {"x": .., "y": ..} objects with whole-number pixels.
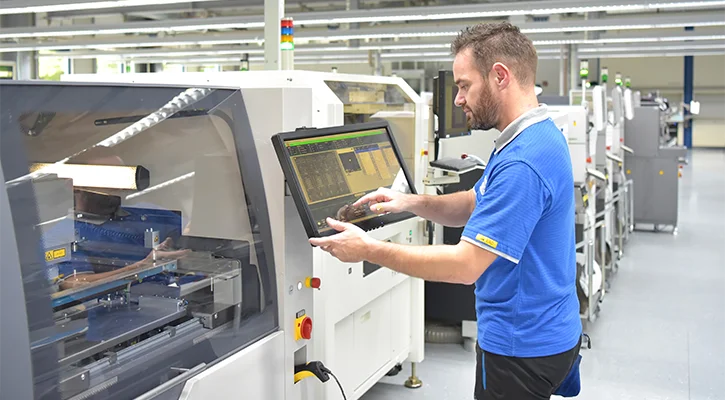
[{"x": 499, "y": 42}]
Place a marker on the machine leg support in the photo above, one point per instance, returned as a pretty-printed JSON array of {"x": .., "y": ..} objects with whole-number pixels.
[
  {"x": 413, "y": 382},
  {"x": 395, "y": 370}
]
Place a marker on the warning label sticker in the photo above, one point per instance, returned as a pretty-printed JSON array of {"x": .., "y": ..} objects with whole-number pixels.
[{"x": 56, "y": 254}]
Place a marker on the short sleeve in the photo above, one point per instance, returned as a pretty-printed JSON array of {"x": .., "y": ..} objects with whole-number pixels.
[{"x": 509, "y": 204}]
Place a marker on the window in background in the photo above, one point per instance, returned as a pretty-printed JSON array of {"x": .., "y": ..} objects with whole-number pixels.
[
  {"x": 174, "y": 68},
  {"x": 51, "y": 68},
  {"x": 108, "y": 65}
]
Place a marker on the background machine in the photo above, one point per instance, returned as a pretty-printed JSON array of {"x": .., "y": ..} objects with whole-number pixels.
[
  {"x": 354, "y": 308},
  {"x": 654, "y": 164},
  {"x": 458, "y": 158},
  {"x": 573, "y": 121}
]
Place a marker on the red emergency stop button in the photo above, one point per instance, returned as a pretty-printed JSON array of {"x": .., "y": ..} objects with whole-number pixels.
[
  {"x": 313, "y": 283},
  {"x": 303, "y": 328}
]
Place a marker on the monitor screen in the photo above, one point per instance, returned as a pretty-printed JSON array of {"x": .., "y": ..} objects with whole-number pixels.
[
  {"x": 452, "y": 121},
  {"x": 328, "y": 170}
]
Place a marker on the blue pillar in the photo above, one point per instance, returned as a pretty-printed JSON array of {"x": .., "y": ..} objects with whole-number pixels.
[{"x": 689, "y": 85}]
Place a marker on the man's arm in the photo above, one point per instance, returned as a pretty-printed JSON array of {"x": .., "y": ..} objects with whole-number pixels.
[
  {"x": 463, "y": 263},
  {"x": 448, "y": 210}
]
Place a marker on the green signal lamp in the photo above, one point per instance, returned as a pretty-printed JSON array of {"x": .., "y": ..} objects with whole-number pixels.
[
  {"x": 584, "y": 69},
  {"x": 605, "y": 74}
]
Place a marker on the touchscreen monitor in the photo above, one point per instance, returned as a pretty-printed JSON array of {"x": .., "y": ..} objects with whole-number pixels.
[{"x": 328, "y": 170}]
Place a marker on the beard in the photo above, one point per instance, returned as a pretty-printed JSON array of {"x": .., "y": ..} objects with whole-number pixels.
[{"x": 484, "y": 115}]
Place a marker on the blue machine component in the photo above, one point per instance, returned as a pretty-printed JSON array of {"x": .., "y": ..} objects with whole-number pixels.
[{"x": 114, "y": 243}]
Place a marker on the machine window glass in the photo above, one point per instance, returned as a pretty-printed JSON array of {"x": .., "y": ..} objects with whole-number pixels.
[
  {"x": 363, "y": 100},
  {"x": 146, "y": 243}
]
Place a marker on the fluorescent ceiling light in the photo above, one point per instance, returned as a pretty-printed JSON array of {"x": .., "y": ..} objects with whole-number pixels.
[
  {"x": 615, "y": 40},
  {"x": 650, "y": 48},
  {"x": 326, "y": 53},
  {"x": 132, "y": 27},
  {"x": 661, "y": 54},
  {"x": 435, "y": 13},
  {"x": 430, "y": 14},
  {"x": 16, "y": 7},
  {"x": 98, "y": 176}
]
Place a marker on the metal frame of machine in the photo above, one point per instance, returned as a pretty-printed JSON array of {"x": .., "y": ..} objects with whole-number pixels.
[{"x": 351, "y": 311}]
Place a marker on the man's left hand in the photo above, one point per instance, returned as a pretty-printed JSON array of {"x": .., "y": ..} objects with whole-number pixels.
[{"x": 350, "y": 245}]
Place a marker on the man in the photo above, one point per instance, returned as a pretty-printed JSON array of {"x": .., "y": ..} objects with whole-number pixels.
[{"x": 518, "y": 244}]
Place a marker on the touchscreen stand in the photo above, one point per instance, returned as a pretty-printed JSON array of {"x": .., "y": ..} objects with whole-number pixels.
[{"x": 328, "y": 170}]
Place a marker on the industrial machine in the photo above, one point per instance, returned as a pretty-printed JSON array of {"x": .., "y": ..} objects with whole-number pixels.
[
  {"x": 620, "y": 109},
  {"x": 358, "y": 307},
  {"x": 573, "y": 121},
  {"x": 595, "y": 101},
  {"x": 654, "y": 164}
]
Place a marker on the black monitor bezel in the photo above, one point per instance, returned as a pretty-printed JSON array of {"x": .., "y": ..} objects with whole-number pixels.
[
  {"x": 439, "y": 108},
  {"x": 295, "y": 187}
]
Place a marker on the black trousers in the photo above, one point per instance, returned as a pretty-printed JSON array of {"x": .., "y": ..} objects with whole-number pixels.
[{"x": 512, "y": 378}]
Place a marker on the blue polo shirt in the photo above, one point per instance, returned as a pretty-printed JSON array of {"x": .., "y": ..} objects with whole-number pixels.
[{"x": 526, "y": 302}]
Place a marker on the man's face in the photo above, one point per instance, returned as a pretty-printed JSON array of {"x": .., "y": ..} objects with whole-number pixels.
[{"x": 475, "y": 94}]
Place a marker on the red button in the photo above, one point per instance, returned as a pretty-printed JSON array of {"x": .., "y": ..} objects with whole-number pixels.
[
  {"x": 306, "y": 328},
  {"x": 609, "y": 147},
  {"x": 313, "y": 283}
]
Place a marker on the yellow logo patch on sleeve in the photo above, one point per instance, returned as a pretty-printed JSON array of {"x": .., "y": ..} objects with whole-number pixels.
[{"x": 487, "y": 240}]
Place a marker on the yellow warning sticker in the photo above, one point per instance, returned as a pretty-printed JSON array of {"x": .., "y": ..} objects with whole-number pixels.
[
  {"x": 487, "y": 240},
  {"x": 574, "y": 123},
  {"x": 51, "y": 255},
  {"x": 662, "y": 172},
  {"x": 629, "y": 172}
]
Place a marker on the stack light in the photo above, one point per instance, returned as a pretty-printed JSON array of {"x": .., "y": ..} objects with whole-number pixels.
[
  {"x": 287, "y": 43},
  {"x": 618, "y": 79}
]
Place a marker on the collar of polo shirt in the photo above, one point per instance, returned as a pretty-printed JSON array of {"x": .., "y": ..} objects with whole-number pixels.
[{"x": 525, "y": 120}]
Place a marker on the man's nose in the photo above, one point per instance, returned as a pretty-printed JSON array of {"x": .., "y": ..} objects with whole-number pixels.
[{"x": 460, "y": 100}]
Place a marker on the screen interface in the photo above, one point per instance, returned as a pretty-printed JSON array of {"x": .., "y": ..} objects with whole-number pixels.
[{"x": 336, "y": 170}]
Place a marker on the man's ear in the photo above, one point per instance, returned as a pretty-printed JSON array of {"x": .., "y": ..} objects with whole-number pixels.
[{"x": 501, "y": 75}]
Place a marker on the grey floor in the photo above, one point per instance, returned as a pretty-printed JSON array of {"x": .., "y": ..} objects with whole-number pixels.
[{"x": 661, "y": 332}]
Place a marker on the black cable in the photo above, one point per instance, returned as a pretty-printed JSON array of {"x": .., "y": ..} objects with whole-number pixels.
[{"x": 338, "y": 384}]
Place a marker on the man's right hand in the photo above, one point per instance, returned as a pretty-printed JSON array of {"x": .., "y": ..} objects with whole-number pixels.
[{"x": 385, "y": 200}]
